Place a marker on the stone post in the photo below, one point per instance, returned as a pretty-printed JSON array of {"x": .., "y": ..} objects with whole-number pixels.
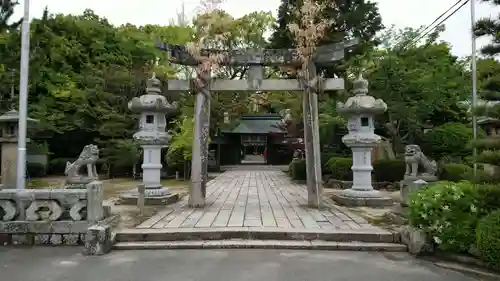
[
  {"x": 140, "y": 198},
  {"x": 95, "y": 197},
  {"x": 199, "y": 161},
  {"x": 8, "y": 140},
  {"x": 408, "y": 189},
  {"x": 311, "y": 136}
]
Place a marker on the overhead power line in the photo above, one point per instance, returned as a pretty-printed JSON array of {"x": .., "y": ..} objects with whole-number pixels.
[{"x": 431, "y": 27}]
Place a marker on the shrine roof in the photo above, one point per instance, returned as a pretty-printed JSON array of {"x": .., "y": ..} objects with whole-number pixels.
[{"x": 257, "y": 124}]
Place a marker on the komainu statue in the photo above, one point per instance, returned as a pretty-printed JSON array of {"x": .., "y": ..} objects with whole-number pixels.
[
  {"x": 88, "y": 158},
  {"x": 415, "y": 159}
]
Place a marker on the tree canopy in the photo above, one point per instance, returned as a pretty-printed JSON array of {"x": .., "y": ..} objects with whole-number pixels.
[{"x": 84, "y": 71}]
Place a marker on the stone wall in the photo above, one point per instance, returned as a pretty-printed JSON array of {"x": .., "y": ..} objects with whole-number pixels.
[{"x": 49, "y": 216}]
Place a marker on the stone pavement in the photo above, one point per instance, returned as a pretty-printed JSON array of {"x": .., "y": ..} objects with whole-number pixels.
[{"x": 262, "y": 198}]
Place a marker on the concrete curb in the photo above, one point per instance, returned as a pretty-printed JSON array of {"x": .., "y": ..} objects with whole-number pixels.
[
  {"x": 466, "y": 269},
  {"x": 256, "y": 233},
  {"x": 261, "y": 244}
]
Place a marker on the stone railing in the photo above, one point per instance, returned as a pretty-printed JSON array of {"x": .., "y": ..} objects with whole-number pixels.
[{"x": 50, "y": 216}]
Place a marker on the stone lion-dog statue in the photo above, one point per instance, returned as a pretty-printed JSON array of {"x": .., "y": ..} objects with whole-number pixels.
[
  {"x": 88, "y": 157},
  {"x": 415, "y": 158}
]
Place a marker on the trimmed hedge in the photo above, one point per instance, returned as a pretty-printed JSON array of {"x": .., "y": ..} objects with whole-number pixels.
[
  {"x": 390, "y": 170},
  {"x": 460, "y": 172},
  {"x": 488, "y": 239},
  {"x": 58, "y": 165},
  {"x": 297, "y": 170},
  {"x": 325, "y": 157},
  {"x": 35, "y": 170},
  {"x": 455, "y": 172},
  {"x": 340, "y": 168},
  {"x": 489, "y": 196},
  {"x": 448, "y": 140}
]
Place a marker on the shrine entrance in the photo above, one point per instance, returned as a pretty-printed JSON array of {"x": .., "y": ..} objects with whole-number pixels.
[
  {"x": 254, "y": 149},
  {"x": 255, "y": 60}
]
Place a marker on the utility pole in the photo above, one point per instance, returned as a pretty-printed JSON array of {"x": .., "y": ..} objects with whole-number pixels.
[
  {"x": 474, "y": 78},
  {"x": 23, "y": 98}
]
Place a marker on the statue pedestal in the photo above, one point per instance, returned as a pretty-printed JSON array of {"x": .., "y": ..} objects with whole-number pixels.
[
  {"x": 152, "y": 197},
  {"x": 154, "y": 192},
  {"x": 78, "y": 183},
  {"x": 371, "y": 198},
  {"x": 411, "y": 184}
]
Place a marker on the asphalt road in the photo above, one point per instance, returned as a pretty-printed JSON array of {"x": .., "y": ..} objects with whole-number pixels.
[{"x": 67, "y": 264}]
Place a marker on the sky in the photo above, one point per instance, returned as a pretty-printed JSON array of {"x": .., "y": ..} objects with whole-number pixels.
[{"x": 401, "y": 13}]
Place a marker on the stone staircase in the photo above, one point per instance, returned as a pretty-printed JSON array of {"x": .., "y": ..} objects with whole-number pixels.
[{"x": 258, "y": 237}]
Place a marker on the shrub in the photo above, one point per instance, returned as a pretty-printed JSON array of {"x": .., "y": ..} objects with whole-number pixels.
[
  {"x": 325, "y": 156},
  {"x": 35, "y": 170},
  {"x": 58, "y": 165},
  {"x": 489, "y": 197},
  {"x": 488, "y": 238},
  {"x": 459, "y": 172},
  {"x": 391, "y": 170},
  {"x": 297, "y": 170},
  {"x": 450, "y": 139},
  {"x": 448, "y": 212},
  {"x": 340, "y": 168},
  {"x": 455, "y": 172}
]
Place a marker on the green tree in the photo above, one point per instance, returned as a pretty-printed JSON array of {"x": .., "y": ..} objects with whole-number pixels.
[
  {"x": 422, "y": 85},
  {"x": 489, "y": 86},
  {"x": 83, "y": 73},
  {"x": 489, "y": 27},
  {"x": 351, "y": 19},
  {"x": 6, "y": 12}
]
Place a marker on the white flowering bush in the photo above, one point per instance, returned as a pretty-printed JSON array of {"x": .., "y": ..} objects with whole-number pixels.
[{"x": 448, "y": 212}]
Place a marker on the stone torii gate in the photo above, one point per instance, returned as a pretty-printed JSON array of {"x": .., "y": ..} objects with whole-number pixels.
[{"x": 256, "y": 60}]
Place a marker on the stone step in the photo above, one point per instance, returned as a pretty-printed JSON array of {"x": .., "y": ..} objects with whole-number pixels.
[
  {"x": 261, "y": 244},
  {"x": 371, "y": 235}
]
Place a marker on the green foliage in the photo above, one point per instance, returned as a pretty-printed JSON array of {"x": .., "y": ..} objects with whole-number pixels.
[
  {"x": 340, "y": 168},
  {"x": 488, "y": 239},
  {"x": 422, "y": 85},
  {"x": 450, "y": 139},
  {"x": 58, "y": 165},
  {"x": 391, "y": 170},
  {"x": 360, "y": 19},
  {"x": 6, "y": 12},
  {"x": 448, "y": 212},
  {"x": 180, "y": 149},
  {"x": 455, "y": 172},
  {"x": 121, "y": 153},
  {"x": 489, "y": 27},
  {"x": 489, "y": 196},
  {"x": 83, "y": 72},
  {"x": 325, "y": 157},
  {"x": 332, "y": 128},
  {"x": 489, "y": 89},
  {"x": 297, "y": 169},
  {"x": 35, "y": 170},
  {"x": 38, "y": 148}
]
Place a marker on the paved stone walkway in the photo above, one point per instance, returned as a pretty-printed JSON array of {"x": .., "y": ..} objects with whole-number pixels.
[{"x": 263, "y": 198}]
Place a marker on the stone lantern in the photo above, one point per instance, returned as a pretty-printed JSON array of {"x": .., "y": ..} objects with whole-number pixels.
[
  {"x": 9, "y": 136},
  {"x": 360, "y": 110},
  {"x": 152, "y": 136}
]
